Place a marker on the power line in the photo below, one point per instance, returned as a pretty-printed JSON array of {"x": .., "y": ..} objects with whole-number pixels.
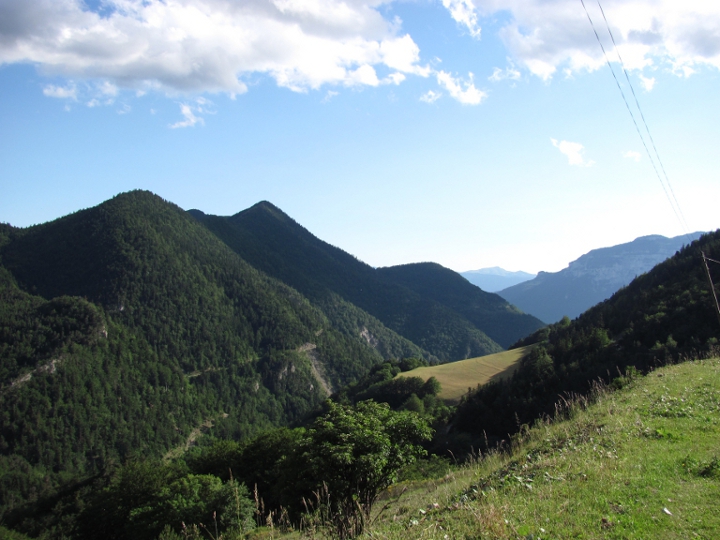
[
  {"x": 710, "y": 281},
  {"x": 667, "y": 188},
  {"x": 642, "y": 116}
]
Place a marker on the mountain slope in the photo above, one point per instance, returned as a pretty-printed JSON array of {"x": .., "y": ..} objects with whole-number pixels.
[
  {"x": 592, "y": 278},
  {"x": 663, "y": 316},
  {"x": 271, "y": 241},
  {"x": 127, "y": 325},
  {"x": 501, "y": 321}
]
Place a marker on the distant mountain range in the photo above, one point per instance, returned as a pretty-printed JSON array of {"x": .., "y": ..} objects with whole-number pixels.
[
  {"x": 592, "y": 278},
  {"x": 495, "y": 279}
]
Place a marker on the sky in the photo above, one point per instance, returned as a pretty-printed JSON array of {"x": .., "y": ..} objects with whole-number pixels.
[{"x": 472, "y": 133}]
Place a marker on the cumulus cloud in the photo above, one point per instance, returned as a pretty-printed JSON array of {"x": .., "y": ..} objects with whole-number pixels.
[
  {"x": 574, "y": 152},
  {"x": 463, "y": 91},
  {"x": 545, "y": 36},
  {"x": 209, "y": 45},
  {"x": 197, "y": 46},
  {"x": 631, "y": 154}
]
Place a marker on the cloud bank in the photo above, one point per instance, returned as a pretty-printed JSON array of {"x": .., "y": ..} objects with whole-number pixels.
[
  {"x": 545, "y": 36},
  {"x": 197, "y": 46},
  {"x": 209, "y": 45}
]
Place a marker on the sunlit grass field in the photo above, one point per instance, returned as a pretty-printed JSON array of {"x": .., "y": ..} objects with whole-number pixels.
[
  {"x": 639, "y": 463},
  {"x": 456, "y": 378}
]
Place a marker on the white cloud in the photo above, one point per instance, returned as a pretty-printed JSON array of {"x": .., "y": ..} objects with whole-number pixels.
[
  {"x": 463, "y": 91},
  {"x": 430, "y": 96},
  {"x": 574, "y": 152},
  {"x": 208, "y": 45},
  {"x": 108, "y": 89},
  {"x": 509, "y": 72},
  {"x": 545, "y": 36},
  {"x": 647, "y": 83},
  {"x": 189, "y": 115},
  {"x": 330, "y": 94},
  {"x": 67, "y": 92},
  {"x": 195, "y": 46},
  {"x": 631, "y": 154},
  {"x": 394, "y": 78},
  {"x": 190, "y": 112},
  {"x": 463, "y": 12}
]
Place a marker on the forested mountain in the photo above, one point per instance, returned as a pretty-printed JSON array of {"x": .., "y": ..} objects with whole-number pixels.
[
  {"x": 126, "y": 326},
  {"x": 425, "y": 313},
  {"x": 591, "y": 278},
  {"x": 274, "y": 243},
  {"x": 502, "y": 322},
  {"x": 663, "y": 316},
  {"x": 495, "y": 279}
]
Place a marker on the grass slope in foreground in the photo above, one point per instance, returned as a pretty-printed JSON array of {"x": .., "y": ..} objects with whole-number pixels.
[
  {"x": 642, "y": 462},
  {"x": 456, "y": 378}
]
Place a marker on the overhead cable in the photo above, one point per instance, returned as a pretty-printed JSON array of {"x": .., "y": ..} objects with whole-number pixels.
[{"x": 667, "y": 188}]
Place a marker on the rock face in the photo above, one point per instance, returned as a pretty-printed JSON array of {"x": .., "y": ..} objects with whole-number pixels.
[{"x": 592, "y": 278}]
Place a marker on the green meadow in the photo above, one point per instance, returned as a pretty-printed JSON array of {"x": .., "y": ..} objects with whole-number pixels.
[{"x": 456, "y": 378}]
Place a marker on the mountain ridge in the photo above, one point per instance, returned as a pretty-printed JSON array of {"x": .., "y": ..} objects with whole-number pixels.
[
  {"x": 592, "y": 277},
  {"x": 275, "y": 243}
]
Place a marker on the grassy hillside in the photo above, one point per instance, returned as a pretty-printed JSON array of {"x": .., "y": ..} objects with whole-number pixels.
[
  {"x": 642, "y": 462},
  {"x": 457, "y": 378}
]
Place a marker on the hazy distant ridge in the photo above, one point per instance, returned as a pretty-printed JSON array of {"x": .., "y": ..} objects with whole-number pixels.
[
  {"x": 592, "y": 278},
  {"x": 495, "y": 278}
]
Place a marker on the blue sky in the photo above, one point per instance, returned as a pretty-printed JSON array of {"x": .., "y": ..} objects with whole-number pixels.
[{"x": 472, "y": 133}]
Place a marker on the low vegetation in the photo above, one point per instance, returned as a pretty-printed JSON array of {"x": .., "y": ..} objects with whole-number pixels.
[
  {"x": 460, "y": 378},
  {"x": 641, "y": 462}
]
